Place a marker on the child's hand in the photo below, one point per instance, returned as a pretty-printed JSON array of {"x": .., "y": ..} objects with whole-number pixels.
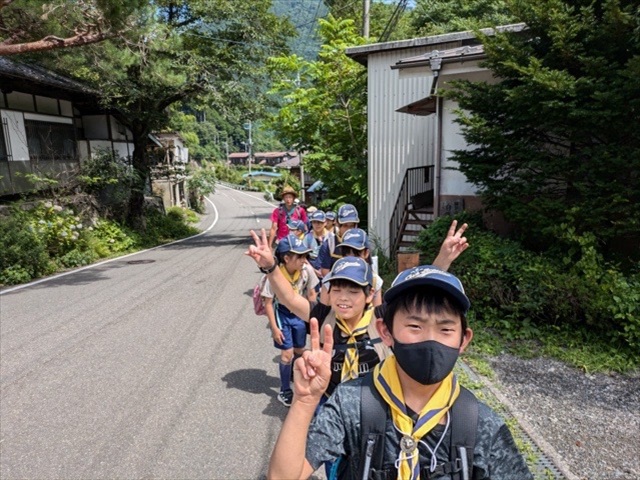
[
  {"x": 261, "y": 252},
  {"x": 452, "y": 246},
  {"x": 277, "y": 335},
  {"x": 312, "y": 371}
]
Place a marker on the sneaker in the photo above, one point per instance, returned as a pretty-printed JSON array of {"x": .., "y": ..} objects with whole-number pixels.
[{"x": 285, "y": 398}]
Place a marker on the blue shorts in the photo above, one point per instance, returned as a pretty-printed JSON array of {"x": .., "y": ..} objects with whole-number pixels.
[{"x": 293, "y": 329}]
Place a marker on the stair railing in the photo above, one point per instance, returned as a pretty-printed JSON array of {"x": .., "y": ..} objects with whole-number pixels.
[{"x": 416, "y": 180}]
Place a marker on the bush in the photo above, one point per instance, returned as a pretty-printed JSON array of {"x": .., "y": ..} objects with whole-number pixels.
[
  {"x": 23, "y": 255},
  {"x": 166, "y": 228},
  {"x": 47, "y": 238},
  {"x": 519, "y": 292}
]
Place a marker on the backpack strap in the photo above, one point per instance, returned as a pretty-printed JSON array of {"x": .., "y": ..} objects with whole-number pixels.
[
  {"x": 373, "y": 419},
  {"x": 373, "y": 416},
  {"x": 464, "y": 425}
]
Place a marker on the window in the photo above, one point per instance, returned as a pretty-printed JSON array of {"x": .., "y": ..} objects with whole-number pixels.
[{"x": 50, "y": 141}]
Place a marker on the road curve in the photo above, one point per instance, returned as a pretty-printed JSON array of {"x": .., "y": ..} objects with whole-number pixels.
[{"x": 148, "y": 366}]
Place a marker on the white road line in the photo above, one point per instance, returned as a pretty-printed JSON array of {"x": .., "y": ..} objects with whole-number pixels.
[{"x": 42, "y": 280}]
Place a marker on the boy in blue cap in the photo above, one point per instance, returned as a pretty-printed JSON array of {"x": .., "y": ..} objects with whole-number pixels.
[
  {"x": 315, "y": 237},
  {"x": 297, "y": 228},
  {"x": 425, "y": 326},
  {"x": 288, "y": 331},
  {"x": 330, "y": 224}
]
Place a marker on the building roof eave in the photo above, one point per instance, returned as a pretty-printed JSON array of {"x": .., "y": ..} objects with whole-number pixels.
[{"x": 361, "y": 53}]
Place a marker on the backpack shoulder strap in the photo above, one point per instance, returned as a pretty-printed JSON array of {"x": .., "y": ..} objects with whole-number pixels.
[
  {"x": 464, "y": 425},
  {"x": 330, "y": 319},
  {"x": 373, "y": 419},
  {"x": 381, "y": 349}
]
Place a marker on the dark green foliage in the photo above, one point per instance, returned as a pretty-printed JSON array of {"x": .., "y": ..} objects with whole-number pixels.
[
  {"x": 23, "y": 255},
  {"x": 521, "y": 293},
  {"x": 435, "y": 17},
  {"x": 165, "y": 228},
  {"x": 47, "y": 238},
  {"x": 557, "y": 140}
]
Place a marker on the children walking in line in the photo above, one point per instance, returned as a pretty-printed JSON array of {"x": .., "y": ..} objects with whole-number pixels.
[
  {"x": 349, "y": 301},
  {"x": 347, "y": 218},
  {"x": 288, "y": 330}
]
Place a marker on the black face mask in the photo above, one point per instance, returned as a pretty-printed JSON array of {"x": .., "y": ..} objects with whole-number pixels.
[{"x": 426, "y": 362}]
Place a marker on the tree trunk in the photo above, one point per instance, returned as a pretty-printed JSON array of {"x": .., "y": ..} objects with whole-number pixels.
[{"x": 135, "y": 214}]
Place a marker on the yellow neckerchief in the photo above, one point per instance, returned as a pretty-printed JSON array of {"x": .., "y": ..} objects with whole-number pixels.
[
  {"x": 387, "y": 382},
  {"x": 351, "y": 355},
  {"x": 293, "y": 280}
]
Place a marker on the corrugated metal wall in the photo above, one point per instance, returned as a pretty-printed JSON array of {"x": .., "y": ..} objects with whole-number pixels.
[{"x": 397, "y": 141}]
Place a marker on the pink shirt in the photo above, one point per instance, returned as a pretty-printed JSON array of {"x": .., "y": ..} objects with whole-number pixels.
[{"x": 280, "y": 217}]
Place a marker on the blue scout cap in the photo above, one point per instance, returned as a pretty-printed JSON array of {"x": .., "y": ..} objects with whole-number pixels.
[
  {"x": 348, "y": 214},
  {"x": 353, "y": 269},
  {"x": 292, "y": 244},
  {"x": 297, "y": 225},
  {"x": 318, "y": 216},
  {"x": 428, "y": 275},
  {"x": 355, "y": 238},
  {"x": 331, "y": 215}
]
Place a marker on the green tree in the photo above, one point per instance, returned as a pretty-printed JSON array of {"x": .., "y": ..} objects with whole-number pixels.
[
  {"x": 323, "y": 113},
  {"x": 434, "y": 17},
  {"x": 213, "y": 51},
  {"x": 35, "y": 26},
  {"x": 557, "y": 139}
]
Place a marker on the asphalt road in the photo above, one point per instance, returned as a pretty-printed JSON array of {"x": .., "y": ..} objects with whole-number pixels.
[{"x": 148, "y": 366}]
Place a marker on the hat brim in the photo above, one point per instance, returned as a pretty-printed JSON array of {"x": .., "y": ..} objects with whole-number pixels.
[
  {"x": 328, "y": 278},
  {"x": 395, "y": 292},
  {"x": 289, "y": 192},
  {"x": 355, "y": 247}
]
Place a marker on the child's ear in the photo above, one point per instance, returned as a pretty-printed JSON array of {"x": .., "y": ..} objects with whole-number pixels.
[
  {"x": 384, "y": 332},
  {"x": 369, "y": 298},
  {"x": 466, "y": 339}
]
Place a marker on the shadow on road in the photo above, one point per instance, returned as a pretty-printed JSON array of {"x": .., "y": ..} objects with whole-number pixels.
[
  {"x": 257, "y": 381},
  {"x": 251, "y": 380}
]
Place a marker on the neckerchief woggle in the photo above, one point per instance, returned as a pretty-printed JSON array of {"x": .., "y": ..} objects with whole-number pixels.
[
  {"x": 351, "y": 355},
  {"x": 387, "y": 383}
]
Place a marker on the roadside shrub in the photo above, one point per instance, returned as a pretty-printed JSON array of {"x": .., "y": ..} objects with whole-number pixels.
[
  {"x": 518, "y": 291},
  {"x": 23, "y": 255},
  {"x": 166, "y": 228},
  {"x": 58, "y": 228},
  {"x": 108, "y": 237}
]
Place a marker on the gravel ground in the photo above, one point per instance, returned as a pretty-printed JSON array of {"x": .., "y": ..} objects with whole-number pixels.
[{"x": 591, "y": 420}]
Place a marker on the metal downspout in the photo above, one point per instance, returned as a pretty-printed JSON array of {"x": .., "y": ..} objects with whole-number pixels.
[
  {"x": 437, "y": 159},
  {"x": 436, "y": 64}
]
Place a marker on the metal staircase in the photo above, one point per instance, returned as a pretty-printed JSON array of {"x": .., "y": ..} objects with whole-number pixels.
[{"x": 413, "y": 211}]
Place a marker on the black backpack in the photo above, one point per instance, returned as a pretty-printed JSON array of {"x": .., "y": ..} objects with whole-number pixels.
[{"x": 373, "y": 416}]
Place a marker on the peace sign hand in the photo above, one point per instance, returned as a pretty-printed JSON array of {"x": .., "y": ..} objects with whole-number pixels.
[
  {"x": 452, "y": 246},
  {"x": 312, "y": 371},
  {"x": 260, "y": 251}
]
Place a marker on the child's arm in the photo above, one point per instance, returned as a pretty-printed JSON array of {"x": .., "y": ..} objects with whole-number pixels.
[
  {"x": 281, "y": 288},
  {"x": 312, "y": 372},
  {"x": 452, "y": 246}
]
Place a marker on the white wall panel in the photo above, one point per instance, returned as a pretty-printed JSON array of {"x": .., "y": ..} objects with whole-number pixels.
[{"x": 397, "y": 141}]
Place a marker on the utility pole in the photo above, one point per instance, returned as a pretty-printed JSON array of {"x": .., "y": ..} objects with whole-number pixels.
[
  {"x": 247, "y": 126},
  {"x": 365, "y": 18}
]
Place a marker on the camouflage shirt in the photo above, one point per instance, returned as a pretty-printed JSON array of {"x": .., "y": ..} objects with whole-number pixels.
[{"x": 335, "y": 433}]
